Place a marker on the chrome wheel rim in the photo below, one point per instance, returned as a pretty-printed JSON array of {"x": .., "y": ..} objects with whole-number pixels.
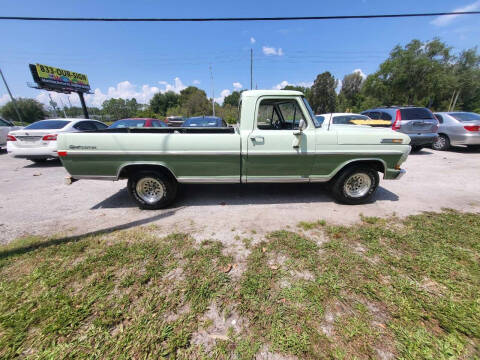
[
  {"x": 150, "y": 190},
  {"x": 439, "y": 143},
  {"x": 357, "y": 185}
]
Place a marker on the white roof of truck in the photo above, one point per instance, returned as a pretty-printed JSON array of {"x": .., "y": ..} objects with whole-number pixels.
[{"x": 257, "y": 93}]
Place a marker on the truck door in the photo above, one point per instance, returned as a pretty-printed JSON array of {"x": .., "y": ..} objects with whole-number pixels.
[{"x": 277, "y": 150}]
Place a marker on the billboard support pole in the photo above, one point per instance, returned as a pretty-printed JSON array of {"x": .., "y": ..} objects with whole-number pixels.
[{"x": 84, "y": 107}]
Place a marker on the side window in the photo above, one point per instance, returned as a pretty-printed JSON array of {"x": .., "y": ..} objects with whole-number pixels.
[
  {"x": 100, "y": 125},
  {"x": 85, "y": 126},
  {"x": 156, "y": 123},
  {"x": 291, "y": 114},
  {"x": 439, "y": 118},
  {"x": 267, "y": 118},
  {"x": 385, "y": 116},
  {"x": 279, "y": 115},
  {"x": 3, "y": 123},
  {"x": 374, "y": 115}
]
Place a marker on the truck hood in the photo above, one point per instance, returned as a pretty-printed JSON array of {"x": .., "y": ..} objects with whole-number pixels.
[{"x": 356, "y": 135}]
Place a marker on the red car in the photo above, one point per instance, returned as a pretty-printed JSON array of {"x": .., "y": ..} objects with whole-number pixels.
[{"x": 137, "y": 122}]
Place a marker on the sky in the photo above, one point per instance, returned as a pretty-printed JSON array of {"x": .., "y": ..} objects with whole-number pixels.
[{"x": 140, "y": 59}]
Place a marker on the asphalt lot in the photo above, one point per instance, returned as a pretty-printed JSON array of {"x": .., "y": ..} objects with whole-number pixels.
[{"x": 34, "y": 200}]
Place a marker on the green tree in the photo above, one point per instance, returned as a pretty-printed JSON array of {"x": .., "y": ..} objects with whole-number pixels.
[
  {"x": 120, "y": 108},
  {"x": 467, "y": 73},
  {"x": 30, "y": 110},
  {"x": 194, "y": 102},
  {"x": 161, "y": 102},
  {"x": 421, "y": 73},
  {"x": 323, "y": 96},
  {"x": 305, "y": 90},
  {"x": 349, "y": 96},
  {"x": 233, "y": 99}
]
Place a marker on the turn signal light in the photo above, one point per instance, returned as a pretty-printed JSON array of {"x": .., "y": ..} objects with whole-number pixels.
[
  {"x": 11, "y": 138},
  {"x": 50, "y": 137},
  {"x": 472, "y": 127}
]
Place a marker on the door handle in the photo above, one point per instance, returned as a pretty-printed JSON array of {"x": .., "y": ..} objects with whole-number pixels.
[{"x": 258, "y": 139}]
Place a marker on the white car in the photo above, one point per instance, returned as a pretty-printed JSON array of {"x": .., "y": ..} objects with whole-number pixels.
[
  {"x": 5, "y": 127},
  {"x": 38, "y": 141},
  {"x": 350, "y": 119}
]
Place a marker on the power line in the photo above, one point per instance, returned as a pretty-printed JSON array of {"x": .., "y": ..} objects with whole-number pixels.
[{"x": 226, "y": 19}]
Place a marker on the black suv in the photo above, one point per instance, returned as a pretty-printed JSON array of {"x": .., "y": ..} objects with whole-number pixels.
[{"x": 417, "y": 122}]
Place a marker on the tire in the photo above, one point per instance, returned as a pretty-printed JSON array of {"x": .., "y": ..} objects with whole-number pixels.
[
  {"x": 152, "y": 190},
  {"x": 342, "y": 185},
  {"x": 442, "y": 143},
  {"x": 41, "y": 160},
  {"x": 416, "y": 148}
]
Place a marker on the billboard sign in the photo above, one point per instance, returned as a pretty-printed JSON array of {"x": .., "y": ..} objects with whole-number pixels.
[{"x": 55, "y": 79}]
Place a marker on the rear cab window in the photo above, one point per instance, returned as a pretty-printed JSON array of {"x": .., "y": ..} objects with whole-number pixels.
[{"x": 47, "y": 125}]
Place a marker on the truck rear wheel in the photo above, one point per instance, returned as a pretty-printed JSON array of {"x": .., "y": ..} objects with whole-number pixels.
[
  {"x": 355, "y": 185},
  {"x": 152, "y": 190}
]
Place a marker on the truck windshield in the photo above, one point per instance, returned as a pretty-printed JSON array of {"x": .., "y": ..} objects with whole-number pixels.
[{"x": 311, "y": 113}]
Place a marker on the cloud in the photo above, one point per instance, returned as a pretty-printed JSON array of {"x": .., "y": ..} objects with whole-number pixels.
[
  {"x": 223, "y": 94},
  {"x": 196, "y": 82},
  {"x": 177, "y": 86},
  {"x": 284, "y": 83},
  {"x": 252, "y": 40},
  {"x": 362, "y": 74},
  {"x": 272, "y": 51},
  {"x": 4, "y": 99},
  {"x": 237, "y": 86},
  {"x": 124, "y": 90},
  {"x": 444, "y": 20}
]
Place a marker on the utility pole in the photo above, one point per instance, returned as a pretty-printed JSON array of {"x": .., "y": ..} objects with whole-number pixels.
[
  {"x": 11, "y": 97},
  {"x": 213, "y": 92},
  {"x": 251, "y": 69}
]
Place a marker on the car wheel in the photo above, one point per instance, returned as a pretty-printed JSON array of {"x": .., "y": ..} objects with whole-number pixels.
[
  {"x": 442, "y": 143},
  {"x": 152, "y": 190},
  {"x": 355, "y": 185},
  {"x": 42, "y": 160},
  {"x": 416, "y": 148}
]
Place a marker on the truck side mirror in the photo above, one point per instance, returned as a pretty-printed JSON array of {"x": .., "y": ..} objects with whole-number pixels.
[{"x": 302, "y": 125}]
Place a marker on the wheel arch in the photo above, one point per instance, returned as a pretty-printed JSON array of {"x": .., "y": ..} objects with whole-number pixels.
[
  {"x": 375, "y": 163},
  {"x": 125, "y": 170}
]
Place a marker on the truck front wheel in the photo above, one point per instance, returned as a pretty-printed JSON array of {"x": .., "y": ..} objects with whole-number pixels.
[
  {"x": 152, "y": 190},
  {"x": 355, "y": 185}
]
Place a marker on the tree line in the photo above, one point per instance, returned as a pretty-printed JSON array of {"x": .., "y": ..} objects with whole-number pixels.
[{"x": 420, "y": 73}]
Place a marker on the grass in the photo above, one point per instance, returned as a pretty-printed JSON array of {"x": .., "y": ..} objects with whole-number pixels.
[{"x": 386, "y": 288}]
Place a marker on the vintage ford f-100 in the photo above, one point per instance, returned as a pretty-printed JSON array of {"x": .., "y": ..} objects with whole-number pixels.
[{"x": 278, "y": 139}]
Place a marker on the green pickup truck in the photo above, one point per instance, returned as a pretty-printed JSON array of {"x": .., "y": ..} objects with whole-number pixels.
[{"x": 278, "y": 140}]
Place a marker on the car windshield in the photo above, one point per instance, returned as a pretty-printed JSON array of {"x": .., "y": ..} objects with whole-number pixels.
[
  {"x": 348, "y": 119},
  {"x": 201, "y": 122},
  {"x": 465, "y": 116},
  {"x": 127, "y": 123},
  {"x": 47, "y": 124},
  {"x": 316, "y": 121}
]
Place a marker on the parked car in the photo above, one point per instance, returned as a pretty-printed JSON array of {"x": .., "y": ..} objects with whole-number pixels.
[
  {"x": 352, "y": 119},
  {"x": 204, "y": 121},
  {"x": 417, "y": 122},
  {"x": 5, "y": 127},
  {"x": 38, "y": 141},
  {"x": 137, "y": 122},
  {"x": 278, "y": 140},
  {"x": 457, "y": 128},
  {"x": 174, "y": 121}
]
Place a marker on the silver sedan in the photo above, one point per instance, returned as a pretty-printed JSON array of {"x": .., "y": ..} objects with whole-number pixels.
[{"x": 457, "y": 128}]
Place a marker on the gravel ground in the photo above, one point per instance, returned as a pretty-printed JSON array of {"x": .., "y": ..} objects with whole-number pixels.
[{"x": 35, "y": 200}]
